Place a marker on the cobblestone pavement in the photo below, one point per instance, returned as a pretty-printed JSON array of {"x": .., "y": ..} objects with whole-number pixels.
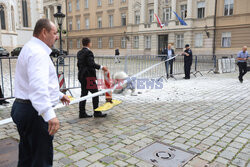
[{"x": 208, "y": 115}]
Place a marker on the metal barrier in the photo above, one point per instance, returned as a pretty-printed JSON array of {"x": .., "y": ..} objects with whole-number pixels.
[{"x": 131, "y": 64}]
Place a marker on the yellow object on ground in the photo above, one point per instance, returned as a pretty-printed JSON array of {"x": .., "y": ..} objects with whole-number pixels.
[{"x": 106, "y": 106}]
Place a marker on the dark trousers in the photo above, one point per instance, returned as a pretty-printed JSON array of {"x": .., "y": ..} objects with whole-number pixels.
[
  {"x": 242, "y": 70},
  {"x": 187, "y": 68},
  {"x": 167, "y": 65},
  {"x": 35, "y": 145},
  {"x": 88, "y": 85}
]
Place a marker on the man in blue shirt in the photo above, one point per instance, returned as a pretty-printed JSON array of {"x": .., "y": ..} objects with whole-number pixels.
[
  {"x": 170, "y": 53},
  {"x": 242, "y": 62}
]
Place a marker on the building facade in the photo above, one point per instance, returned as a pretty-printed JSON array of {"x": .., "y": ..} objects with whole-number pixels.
[
  {"x": 104, "y": 21},
  {"x": 49, "y": 9},
  {"x": 131, "y": 25},
  {"x": 232, "y": 26},
  {"x": 18, "y": 18}
]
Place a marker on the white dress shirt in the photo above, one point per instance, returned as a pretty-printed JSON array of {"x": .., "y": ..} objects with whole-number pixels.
[
  {"x": 169, "y": 53},
  {"x": 36, "y": 78}
]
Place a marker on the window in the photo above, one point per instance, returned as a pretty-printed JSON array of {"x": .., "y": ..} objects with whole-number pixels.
[
  {"x": 70, "y": 44},
  {"x": 137, "y": 17},
  {"x": 78, "y": 44},
  {"x": 25, "y": 13},
  {"x": 151, "y": 16},
  {"x": 201, "y": 10},
  {"x": 86, "y": 4},
  {"x": 2, "y": 15},
  {"x": 166, "y": 15},
  {"x": 166, "y": 2},
  {"x": 228, "y": 7},
  {"x": 99, "y": 2},
  {"x": 123, "y": 42},
  {"x": 136, "y": 42},
  {"x": 12, "y": 19},
  {"x": 123, "y": 19},
  {"x": 226, "y": 39},
  {"x": 70, "y": 25},
  {"x": 99, "y": 43},
  {"x": 78, "y": 23},
  {"x": 198, "y": 40},
  {"x": 180, "y": 41},
  {"x": 99, "y": 22},
  {"x": 77, "y": 4},
  {"x": 87, "y": 23},
  {"x": 148, "y": 42},
  {"x": 70, "y": 6},
  {"x": 123, "y": 1},
  {"x": 183, "y": 11},
  {"x": 110, "y": 20},
  {"x": 111, "y": 1},
  {"x": 111, "y": 43}
]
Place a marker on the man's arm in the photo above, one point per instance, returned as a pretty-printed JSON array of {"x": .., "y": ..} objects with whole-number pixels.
[
  {"x": 91, "y": 61},
  {"x": 38, "y": 74}
]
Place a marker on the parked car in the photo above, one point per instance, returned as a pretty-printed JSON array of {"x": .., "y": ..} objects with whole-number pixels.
[
  {"x": 16, "y": 51},
  {"x": 3, "y": 52},
  {"x": 55, "y": 52}
]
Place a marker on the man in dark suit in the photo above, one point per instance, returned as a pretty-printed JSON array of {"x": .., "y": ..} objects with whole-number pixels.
[
  {"x": 170, "y": 53},
  {"x": 188, "y": 59},
  {"x": 87, "y": 77}
]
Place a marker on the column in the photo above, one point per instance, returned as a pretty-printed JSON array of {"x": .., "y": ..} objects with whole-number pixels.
[
  {"x": 156, "y": 9},
  {"x": 173, "y": 17},
  {"x": 190, "y": 9},
  {"x": 48, "y": 9},
  {"x": 143, "y": 11},
  {"x": 131, "y": 13}
]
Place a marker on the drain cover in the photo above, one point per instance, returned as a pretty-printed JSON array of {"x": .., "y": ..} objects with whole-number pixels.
[
  {"x": 163, "y": 155},
  {"x": 8, "y": 152}
]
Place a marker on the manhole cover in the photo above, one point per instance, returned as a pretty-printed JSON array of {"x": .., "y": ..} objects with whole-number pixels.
[
  {"x": 163, "y": 155},
  {"x": 8, "y": 152}
]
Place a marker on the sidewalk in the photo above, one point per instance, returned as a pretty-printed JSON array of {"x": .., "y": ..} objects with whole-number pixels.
[{"x": 208, "y": 115}]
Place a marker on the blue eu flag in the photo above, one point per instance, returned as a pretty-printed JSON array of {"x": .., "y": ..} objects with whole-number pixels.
[{"x": 181, "y": 21}]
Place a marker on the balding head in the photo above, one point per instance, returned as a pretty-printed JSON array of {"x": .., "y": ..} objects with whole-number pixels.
[
  {"x": 46, "y": 31},
  {"x": 244, "y": 48}
]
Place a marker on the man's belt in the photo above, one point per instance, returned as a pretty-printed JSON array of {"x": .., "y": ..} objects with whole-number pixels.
[{"x": 23, "y": 101}]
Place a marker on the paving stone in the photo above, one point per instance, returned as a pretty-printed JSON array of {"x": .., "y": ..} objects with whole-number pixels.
[
  {"x": 197, "y": 162},
  {"x": 207, "y": 156},
  {"x": 222, "y": 160},
  {"x": 121, "y": 163},
  {"x": 107, "y": 160},
  {"x": 97, "y": 164},
  {"x": 82, "y": 163},
  {"x": 227, "y": 154},
  {"x": 239, "y": 162},
  {"x": 132, "y": 160},
  {"x": 92, "y": 150},
  {"x": 107, "y": 151},
  {"x": 66, "y": 161},
  {"x": 94, "y": 157},
  {"x": 78, "y": 156}
]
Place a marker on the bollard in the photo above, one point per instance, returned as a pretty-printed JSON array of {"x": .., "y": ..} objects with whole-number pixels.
[
  {"x": 62, "y": 85},
  {"x": 107, "y": 81}
]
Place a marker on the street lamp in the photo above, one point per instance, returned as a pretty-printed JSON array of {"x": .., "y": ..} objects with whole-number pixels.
[{"x": 59, "y": 17}]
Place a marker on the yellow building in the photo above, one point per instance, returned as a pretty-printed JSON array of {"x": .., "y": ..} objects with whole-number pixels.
[
  {"x": 104, "y": 22},
  {"x": 232, "y": 26}
]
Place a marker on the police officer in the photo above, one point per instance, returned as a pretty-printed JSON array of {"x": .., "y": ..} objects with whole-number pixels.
[
  {"x": 242, "y": 62},
  {"x": 188, "y": 59}
]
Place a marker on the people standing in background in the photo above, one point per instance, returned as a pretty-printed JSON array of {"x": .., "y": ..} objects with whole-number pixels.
[
  {"x": 188, "y": 59},
  {"x": 36, "y": 92},
  {"x": 242, "y": 62},
  {"x": 170, "y": 53},
  {"x": 117, "y": 58},
  {"x": 87, "y": 77}
]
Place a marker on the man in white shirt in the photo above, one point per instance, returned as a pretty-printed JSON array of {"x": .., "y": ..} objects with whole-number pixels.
[{"x": 36, "y": 92}]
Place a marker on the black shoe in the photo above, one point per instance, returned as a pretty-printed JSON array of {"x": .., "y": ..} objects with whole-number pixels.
[
  {"x": 241, "y": 80},
  {"x": 99, "y": 114},
  {"x": 84, "y": 115}
]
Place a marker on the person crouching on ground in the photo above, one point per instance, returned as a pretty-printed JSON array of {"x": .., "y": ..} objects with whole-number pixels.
[
  {"x": 87, "y": 77},
  {"x": 242, "y": 62}
]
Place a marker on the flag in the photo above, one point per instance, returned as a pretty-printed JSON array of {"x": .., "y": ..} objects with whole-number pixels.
[
  {"x": 181, "y": 21},
  {"x": 159, "y": 21}
]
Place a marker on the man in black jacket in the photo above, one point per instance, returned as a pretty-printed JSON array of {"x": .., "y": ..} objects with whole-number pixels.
[
  {"x": 87, "y": 77},
  {"x": 188, "y": 59},
  {"x": 170, "y": 53}
]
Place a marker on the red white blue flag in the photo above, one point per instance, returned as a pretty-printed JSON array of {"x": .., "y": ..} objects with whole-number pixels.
[{"x": 159, "y": 21}]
